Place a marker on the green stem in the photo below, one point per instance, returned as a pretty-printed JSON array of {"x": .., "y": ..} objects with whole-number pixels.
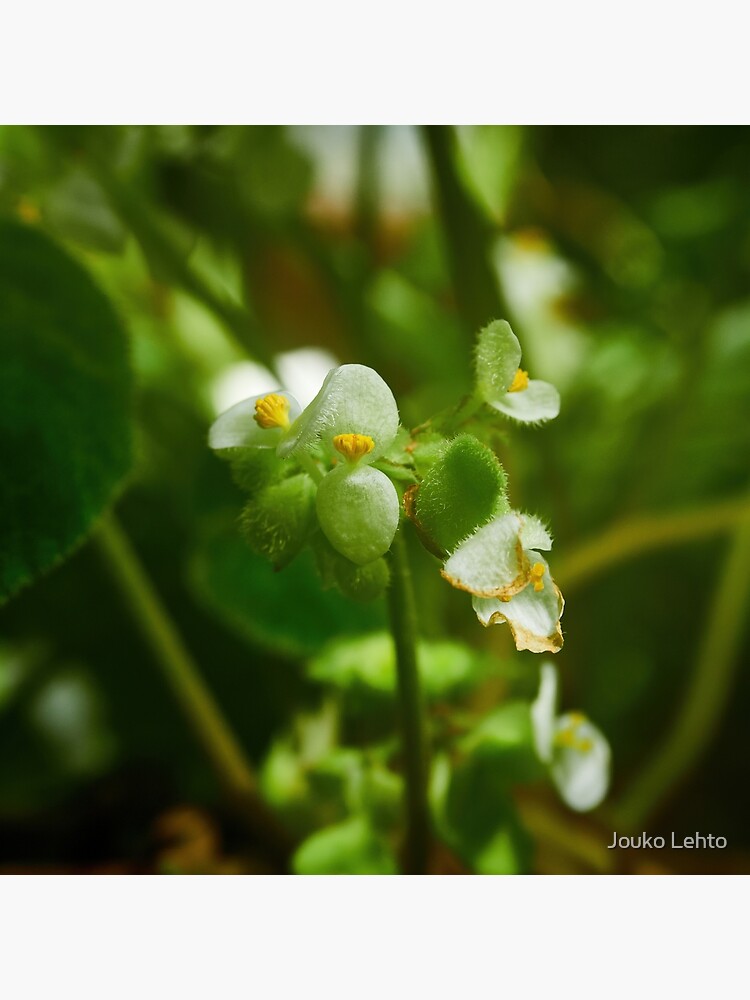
[
  {"x": 183, "y": 676},
  {"x": 708, "y": 693},
  {"x": 403, "y": 619},
  {"x": 310, "y": 466}
]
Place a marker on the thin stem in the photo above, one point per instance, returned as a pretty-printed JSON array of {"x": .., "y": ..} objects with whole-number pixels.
[
  {"x": 403, "y": 618},
  {"x": 648, "y": 532},
  {"x": 310, "y": 466},
  {"x": 709, "y": 690},
  {"x": 183, "y": 676}
]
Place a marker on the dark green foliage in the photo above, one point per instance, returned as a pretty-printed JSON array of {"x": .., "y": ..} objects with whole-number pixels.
[
  {"x": 64, "y": 405},
  {"x": 287, "y": 612}
]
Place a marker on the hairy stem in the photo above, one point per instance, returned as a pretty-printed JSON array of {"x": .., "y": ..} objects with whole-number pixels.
[
  {"x": 184, "y": 678},
  {"x": 708, "y": 692},
  {"x": 403, "y": 619}
]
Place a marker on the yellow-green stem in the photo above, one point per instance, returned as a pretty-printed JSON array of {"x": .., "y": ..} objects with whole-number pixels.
[{"x": 645, "y": 533}]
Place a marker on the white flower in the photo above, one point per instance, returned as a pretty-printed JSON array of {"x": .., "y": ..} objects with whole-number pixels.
[
  {"x": 504, "y": 385},
  {"x": 575, "y": 751},
  {"x": 500, "y": 565},
  {"x": 354, "y": 417}
]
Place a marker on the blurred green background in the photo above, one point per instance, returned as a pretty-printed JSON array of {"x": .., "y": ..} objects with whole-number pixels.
[{"x": 621, "y": 257}]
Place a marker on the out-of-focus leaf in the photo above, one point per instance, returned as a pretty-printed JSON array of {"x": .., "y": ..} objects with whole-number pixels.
[
  {"x": 350, "y": 848},
  {"x": 77, "y": 209},
  {"x": 488, "y": 158},
  {"x": 287, "y": 611},
  {"x": 478, "y": 820},
  {"x": 366, "y": 667},
  {"x": 64, "y": 405}
]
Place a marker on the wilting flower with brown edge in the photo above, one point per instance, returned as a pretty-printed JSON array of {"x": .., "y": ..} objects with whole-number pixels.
[{"x": 501, "y": 566}]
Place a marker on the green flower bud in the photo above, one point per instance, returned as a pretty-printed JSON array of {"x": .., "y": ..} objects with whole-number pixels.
[
  {"x": 278, "y": 521},
  {"x": 358, "y": 511},
  {"x": 362, "y": 583}
]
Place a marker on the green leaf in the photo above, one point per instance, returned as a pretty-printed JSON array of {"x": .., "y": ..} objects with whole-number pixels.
[
  {"x": 77, "y": 209},
  {"x": 64, "y": 405},
  {"x": 505, "y": 738},
  {"x": 350, "y": 848},
  {"x": 287, "y": 612},
  {"x": 464, "y": 489},
  {"x": 498, "y": 356},
  {"x": 478, "y": 820},
  {"x": 366, "y": 667},
  {"x": 488, "y": 159}
]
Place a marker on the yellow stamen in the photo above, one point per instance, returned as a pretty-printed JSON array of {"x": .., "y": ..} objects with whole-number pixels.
[
  {"x": 537, "y": 574},
  {"x": 520, "y": 381},
  {"x": 272, "y": 411},
  {"x": 353, "y": 446},
  {"x": 568, "y": 737}
]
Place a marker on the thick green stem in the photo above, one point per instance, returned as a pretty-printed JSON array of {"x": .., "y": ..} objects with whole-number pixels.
[
  {"x": 403, "y": 618},
  {"x": 183, "y": 676},
  {"x": 708, "y": 692}
]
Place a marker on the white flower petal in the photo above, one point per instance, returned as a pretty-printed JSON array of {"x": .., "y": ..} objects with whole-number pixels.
[
  {"x": 353, "y": 399},
  {"x": 539, "y": 401},
  {"x": 543, "y": 710},
  {"x": 581, "y": 770},
  {"x": 533, "y": 534},
  {"x": 237, "y": 428},
  {"x": 491, "y": 562},
  {"x": 302, "y": 371},
  {"x": 498, "y": 356},
  {"x": 533, "y": 615}
]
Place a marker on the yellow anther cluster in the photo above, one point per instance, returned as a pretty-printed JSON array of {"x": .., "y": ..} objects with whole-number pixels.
[
  {"x": 568, "y": 738},
  {"x": 520, "y": 381},
  {"x": 537, "y": 576},
  {"x": 353, "y": 446},
  {"x": 272, "y": 411}
]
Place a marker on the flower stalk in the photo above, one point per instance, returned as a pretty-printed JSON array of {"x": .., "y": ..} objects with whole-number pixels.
[{"x": 403, "y": 620}]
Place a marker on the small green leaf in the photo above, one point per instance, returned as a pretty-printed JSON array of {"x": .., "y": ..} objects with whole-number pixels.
[
  {"x": 64, "y": 405},
  {"x": 505, "y": 738},
  {"x": 366, "y": 666},
  {"x": 350, "y": 848},
  {"x": 478, "y": 820},
  {"x": 464, "y": 489},
  {"x": 498, "y": 355}
]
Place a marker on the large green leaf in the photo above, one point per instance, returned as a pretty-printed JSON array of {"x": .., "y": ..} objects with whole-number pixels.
[{"x": 64, "y": 395}]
